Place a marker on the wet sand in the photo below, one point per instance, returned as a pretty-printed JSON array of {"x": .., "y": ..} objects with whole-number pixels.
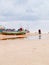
[
  {"x": 4, "y": 37},
  {"x": 28, "y": 35},
  {"x": 24, "y": 52}
]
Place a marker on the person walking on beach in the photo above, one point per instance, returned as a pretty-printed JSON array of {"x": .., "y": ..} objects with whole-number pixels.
[{"x": 39, "y": 32}]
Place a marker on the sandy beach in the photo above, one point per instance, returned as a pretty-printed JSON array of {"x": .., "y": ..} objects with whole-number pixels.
[
  {"x": 24, "y": 32},
  {"x": 24, "y": 52}
]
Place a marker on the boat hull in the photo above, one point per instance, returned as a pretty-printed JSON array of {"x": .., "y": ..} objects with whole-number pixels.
[{"x": 14, "y": 33}]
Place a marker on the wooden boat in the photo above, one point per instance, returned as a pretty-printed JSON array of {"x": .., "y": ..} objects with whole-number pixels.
[{"x": 14, "y": 33}]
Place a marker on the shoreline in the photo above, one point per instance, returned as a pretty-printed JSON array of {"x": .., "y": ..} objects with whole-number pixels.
[{"x": 27, "y": 36}]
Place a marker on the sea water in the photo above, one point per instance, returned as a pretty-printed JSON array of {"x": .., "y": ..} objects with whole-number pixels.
[{"x": 32, "y": 26}]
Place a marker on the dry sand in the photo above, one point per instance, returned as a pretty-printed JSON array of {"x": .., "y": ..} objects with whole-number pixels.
[{"x": 24, "y": 52}]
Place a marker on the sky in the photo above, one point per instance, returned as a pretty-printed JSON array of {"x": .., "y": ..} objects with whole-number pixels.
[
  {"x": 31, "y": 11},
  {"x": 24, "y": 9}
]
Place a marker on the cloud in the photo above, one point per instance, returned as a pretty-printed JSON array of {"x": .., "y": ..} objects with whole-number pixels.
[{"x": 24, "y": 9}]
